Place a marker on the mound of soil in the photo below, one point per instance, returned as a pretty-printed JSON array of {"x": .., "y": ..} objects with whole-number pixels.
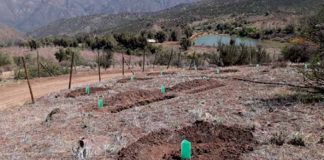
[
  {"x": 81, "y": 92},
  {"x": 229, "y": 70},
  {"x": 195, "y": 86},
  {"x": 125, "y": 80},
  {"x": 130, "y": 99},
  {"x": 158, "y": 73},
  {"x": 209, "y": 142}
]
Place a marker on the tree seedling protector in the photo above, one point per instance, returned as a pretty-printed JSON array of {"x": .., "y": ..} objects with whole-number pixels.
[
  {"x": 87, "y": 89},
  {"x": 163, "y": 89},
  {"x": 100, "y": 103},
  {"x": 185, "y": 150},
  {"x": 217, "y": 71},
  {"x": 258, "y": 67}
]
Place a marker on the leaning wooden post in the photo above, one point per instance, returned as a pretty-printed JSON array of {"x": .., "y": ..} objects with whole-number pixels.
[
  {"x": 26, "y": 73},
  {"x": 46, "y": 69},
  {"x": 143, "y": 61},
  {"x": 71, "y": 70},
  {"x": 38, "y": 63},
  {"x": 99, "y": 66}
]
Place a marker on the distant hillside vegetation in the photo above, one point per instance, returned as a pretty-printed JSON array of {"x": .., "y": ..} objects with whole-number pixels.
[
  {"x": 180, "y": 15},
  {"x": 9, "y": 34}
]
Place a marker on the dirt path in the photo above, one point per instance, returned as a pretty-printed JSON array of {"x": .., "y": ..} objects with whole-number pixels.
[{"x": 17, "y": 94}]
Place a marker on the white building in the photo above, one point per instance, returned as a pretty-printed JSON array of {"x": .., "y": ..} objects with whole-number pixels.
[{"x": 151, "y": 41}]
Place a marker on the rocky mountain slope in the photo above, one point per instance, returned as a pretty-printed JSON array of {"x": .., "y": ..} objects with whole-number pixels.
[
  {"x": 176, "y": 16},
  {"x": 9, "y": 34},
  {"x": 26, "y": 15}
]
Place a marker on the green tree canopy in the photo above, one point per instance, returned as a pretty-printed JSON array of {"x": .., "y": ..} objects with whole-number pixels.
[{"x": 160, "y": 36}]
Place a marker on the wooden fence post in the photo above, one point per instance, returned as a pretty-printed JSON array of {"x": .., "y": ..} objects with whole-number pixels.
[
  {"x": 29, "y": 86},
  {"x": 71, "y": 70},
  {"x": 123, "y": 63},
  {"x": 38, "y": 64},
  {"x": 143, "y": 62},
  {"x": 170, "y": 59},
  {"x": 99, "y": 66}
]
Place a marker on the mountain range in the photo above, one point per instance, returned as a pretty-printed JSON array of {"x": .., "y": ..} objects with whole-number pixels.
[
  {"x": 27, "y": 15},
  {"x": 179, "y": 15},
  {"x": 41, "y": 18}
]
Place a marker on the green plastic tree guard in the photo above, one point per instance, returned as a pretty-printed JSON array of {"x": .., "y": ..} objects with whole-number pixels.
[
  {"x": 132, "y": 78},
  {"x": 306, "y": 66},
  {"x": 195, "y": 66},
  {"x": 217, "y": 71},
  {"x": 100, "y": 103},
  {"x": 185, "y": 149},
  {"x": 163, "y": 89},
  {"x": 161, "y": 72},
  {"x": 258, "y": 67},
  {"x": 87, "y": 90}
]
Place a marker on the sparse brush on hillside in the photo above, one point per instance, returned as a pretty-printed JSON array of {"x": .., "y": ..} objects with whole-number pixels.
[
  {"x": 51, "y": 69},
  {"x": 163, "y": 57},
  {"x": 131, "y": 41},
  {"x": 239, "y": 55},
  {"x": 196, "y": 60},
  {"x": 5, "y": 59},
  {"x": 106, "y": 59},
  {"x": 160, "y": 36},
  {"x": 298, "y": 53},
  {"x": 48, "y": 68},
  {"x": 185, "y": 43},
  {"x": 66, "y": 54}
]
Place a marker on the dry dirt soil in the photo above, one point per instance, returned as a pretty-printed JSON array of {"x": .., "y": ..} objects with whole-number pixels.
[
  {"x": 17, "y": 93},
  {"x": 241, "y": 113}
]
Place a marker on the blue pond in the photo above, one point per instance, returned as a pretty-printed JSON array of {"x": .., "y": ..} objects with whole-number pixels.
[{"x": 213, "y": 40}]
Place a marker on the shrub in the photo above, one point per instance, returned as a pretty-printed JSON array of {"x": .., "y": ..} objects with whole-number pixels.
[
  {"x": 162, "y": 58},
  {"x": 297, "y": 140},
  {"x": 298, "y": 53},
  {"x": 321, "y": 141},
  {"x": 185, "y": 43},
  {"x": 33, "y": 45},
  {"x": 196, "y": 59},
  {"x": 174, "y": 36},
  {"x": 213, "y": 58},
  {"x": 278, "y": 139},
  {"x": 106, "y": 59},
  {"x": 188, "y": 32},
  {"x": 160, "y": 36},
  {"x": 51, "y": 69},
  {"x": 66, "y": 55},
  {"x": 130, "y": 41},
  {"x": 315, "y": 75},
  {"x": 290, "y": 29},
  {"x": 241, "y": 55},
  {"x": 5, "y": 59}
]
